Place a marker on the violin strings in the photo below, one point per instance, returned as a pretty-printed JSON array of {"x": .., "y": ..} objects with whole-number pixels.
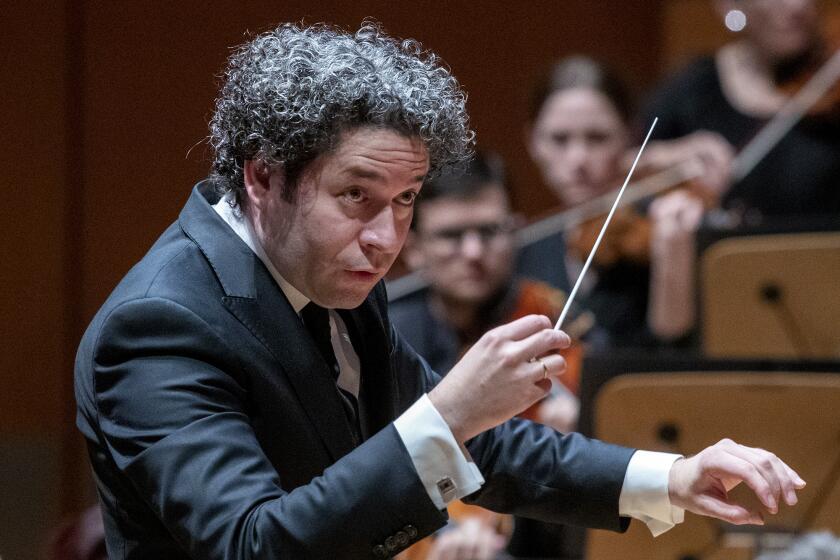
[{"x": 603, "y": 229}]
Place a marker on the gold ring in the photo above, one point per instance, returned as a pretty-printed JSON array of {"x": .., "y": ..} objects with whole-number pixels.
[{"x": 545, "y": 368}]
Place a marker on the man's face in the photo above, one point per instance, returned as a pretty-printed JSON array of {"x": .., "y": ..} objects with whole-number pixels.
[
  {"x": 348, "y": 219},
  {"x": 577, "y": 142},
  {"x": 464, "y": 246}
]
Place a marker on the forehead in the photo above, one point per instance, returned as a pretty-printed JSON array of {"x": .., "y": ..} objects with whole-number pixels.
[
  {"x": 488, "y": 203},
  {"x": 579, "y": 108},
  {"x": 379, "y": 154}
]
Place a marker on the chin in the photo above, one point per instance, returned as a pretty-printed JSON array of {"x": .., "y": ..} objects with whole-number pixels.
[
  {"x": 475, "y": 296},
  {"x": 345, "y": 300}
]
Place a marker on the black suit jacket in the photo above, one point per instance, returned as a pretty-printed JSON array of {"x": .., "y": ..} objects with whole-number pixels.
[{"x": 216, "y": 431}]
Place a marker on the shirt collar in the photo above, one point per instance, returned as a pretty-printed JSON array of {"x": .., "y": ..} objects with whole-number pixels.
[{"x": 242, "y": 227}]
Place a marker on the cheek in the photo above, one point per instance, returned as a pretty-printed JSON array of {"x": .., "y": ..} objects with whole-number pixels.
[
  {"x": 545, "y": 153},
  {"x": 501, "y": 262},
  {"x": 605, "y": 161}
]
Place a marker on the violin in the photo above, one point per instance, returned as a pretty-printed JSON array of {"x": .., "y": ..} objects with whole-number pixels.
[
  {"x": 813, "y": 92},
  {"x": 791, "y": 78},
  {"x": 628, "y": 237}
]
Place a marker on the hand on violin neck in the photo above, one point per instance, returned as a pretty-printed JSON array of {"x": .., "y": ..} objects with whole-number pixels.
[{"x": 706, "y": 149}]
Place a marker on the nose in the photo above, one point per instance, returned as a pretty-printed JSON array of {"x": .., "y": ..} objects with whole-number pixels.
[
  {"x": 472, "y": 245},
  {"x": 576, "y": 153},
  {"x": 382, "y": 232}
]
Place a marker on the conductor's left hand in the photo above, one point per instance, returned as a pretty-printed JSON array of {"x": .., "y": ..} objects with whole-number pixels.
[{"x": 700, "y": 483}]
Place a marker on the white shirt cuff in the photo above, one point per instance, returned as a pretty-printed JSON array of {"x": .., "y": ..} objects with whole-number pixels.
[
  {"x": 644, "y": 494},
  {"x": 445, "y": 468}
]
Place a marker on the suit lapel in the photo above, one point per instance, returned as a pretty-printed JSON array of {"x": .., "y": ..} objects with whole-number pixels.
[{"x": 256, "y": 300}]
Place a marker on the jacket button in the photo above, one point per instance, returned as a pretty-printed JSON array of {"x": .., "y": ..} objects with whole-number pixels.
[
  {"x": 411, "y": 531},
  {"x": 380, "y": 552},
  {"x": 390, "y": 544},
  {"x": 401, "y": 538}
]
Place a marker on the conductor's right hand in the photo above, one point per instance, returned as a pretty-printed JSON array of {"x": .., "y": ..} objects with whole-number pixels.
[{"x": 497, "y": 377}]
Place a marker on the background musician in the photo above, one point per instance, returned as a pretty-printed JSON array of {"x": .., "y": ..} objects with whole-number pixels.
[
  {"x": 718, "y": 103},
  {"x": 579, "y": 135},
  {"x": 462, "y": 244}
]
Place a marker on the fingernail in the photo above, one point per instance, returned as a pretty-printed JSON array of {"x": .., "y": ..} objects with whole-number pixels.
[
  {"x": 800, "y": 482},
  {"x": 774, "y": 505}
]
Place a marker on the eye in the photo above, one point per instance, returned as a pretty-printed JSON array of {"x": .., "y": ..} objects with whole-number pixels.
[
  {"x": 559, "y": 138},
  {"x": 597, "y": 137},
  {"x": 407, "y": 198},
  {"x": 354, "y": 195}
]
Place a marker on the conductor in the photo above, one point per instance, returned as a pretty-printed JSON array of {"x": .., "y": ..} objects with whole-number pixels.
[{"x": 242, "y": 392}]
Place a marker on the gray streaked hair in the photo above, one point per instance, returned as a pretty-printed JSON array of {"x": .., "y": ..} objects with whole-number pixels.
[{"x": 288, "y": 94}]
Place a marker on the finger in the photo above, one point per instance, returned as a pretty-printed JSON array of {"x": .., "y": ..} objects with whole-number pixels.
[
  {"x": 732, "y": 466},
  {"x": 522, "y": 327},
  {"x": 556, "y": 364},
  {"x": 485, "y": 549},
  {"x": 788, "y": 480},
  {"x": 693, "y": 215},
  {"x": 550, "y": 365},
  {"x": 716, "y": 148},
  {"x": 729, "y": 512},
  {"x": 472, "y": 540},
  {"x": 449, "y": 549},
  {"x": 770, "y": 468},
  {"x": 540, "y": 343},
  {"x": 798, "y": 481},
  {"x": 436, "y": 551}
]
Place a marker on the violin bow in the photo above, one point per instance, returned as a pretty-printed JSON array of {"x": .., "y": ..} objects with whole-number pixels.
[
  {"x": 588, "y": 262},
  {"x": 787, "y": 117}
]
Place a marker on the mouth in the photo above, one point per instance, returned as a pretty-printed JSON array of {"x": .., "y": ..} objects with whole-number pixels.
[{"x": 363, "y": 274}]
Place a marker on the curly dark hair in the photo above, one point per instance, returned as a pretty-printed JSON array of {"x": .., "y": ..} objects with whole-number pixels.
[{"x": 288, "y": 94}]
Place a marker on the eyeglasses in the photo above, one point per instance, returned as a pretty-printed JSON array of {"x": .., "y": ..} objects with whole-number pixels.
[{"x": 453, "y": 238}]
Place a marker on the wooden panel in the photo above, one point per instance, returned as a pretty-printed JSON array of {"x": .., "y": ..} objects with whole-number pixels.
[
  {"x": 31, "y": 218},
  {"x": 758, "y": 296},
  {"x": 792, "y": 414}
]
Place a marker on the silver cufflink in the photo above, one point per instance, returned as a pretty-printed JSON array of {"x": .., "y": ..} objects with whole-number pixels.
[{"x": 446, "y": 486}]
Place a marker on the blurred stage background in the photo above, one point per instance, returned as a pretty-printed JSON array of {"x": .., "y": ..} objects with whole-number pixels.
[{"x": 105, "y": 114}]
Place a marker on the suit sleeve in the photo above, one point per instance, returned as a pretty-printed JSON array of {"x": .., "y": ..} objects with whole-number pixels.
[
  {"x": 173, "y": 415},
  {"x": 533, "y": 471}
]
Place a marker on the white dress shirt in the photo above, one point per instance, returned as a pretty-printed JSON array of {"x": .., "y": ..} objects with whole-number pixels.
[{"x": 444, "y": 466}]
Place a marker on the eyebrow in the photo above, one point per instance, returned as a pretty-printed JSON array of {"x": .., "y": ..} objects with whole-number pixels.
[{"x": 364, "y": 173}]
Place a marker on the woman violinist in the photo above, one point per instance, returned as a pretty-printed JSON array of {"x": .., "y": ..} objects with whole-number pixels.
[
  {"x": 578, "y": 137},
  {"x": 734, "y": 93}
]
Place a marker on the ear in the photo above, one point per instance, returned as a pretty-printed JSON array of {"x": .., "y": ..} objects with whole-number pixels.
[
  {"x": 412, "y": 253},
  {"x": 257, "y": 178}
]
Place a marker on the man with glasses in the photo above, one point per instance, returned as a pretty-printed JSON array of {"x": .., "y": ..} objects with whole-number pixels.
[{"x": 462, "y": 243}]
